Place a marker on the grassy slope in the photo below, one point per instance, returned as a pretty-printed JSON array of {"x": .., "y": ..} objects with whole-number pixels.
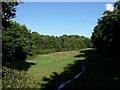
[
  {"x": 102, "y": 69},
  {"x": 46, "y": 64}
]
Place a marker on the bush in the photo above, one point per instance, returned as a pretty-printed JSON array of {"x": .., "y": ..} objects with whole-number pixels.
[{"x": 16, "y": 79}]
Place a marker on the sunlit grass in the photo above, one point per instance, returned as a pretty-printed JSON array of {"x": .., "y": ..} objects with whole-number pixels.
[{"x": 46, "y": 64}]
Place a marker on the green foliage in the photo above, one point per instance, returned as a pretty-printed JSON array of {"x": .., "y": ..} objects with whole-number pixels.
[
  {"x": 8, "y": 11},
  {"x": 16, "y": 42},
  {"x": 16, "y": 79},
  {"x": 106, "y": 33},
  {"x": 47, "y": 44}
]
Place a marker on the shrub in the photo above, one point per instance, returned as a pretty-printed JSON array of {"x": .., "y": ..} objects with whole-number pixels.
[{"x": 16, "y": 79}]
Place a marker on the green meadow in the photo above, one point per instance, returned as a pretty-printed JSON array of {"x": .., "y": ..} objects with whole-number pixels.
[{"x": 46, "y": 64}]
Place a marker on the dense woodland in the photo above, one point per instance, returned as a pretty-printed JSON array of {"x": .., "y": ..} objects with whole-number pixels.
[
  {"x": 106, "y": 34},
  {"x": 18, "y": 42}
]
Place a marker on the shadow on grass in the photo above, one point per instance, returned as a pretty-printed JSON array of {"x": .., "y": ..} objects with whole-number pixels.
[
  {"x": 102, "y": 71},
  {"x": 16, "y": 60},
  {"x": 20, "y": 65},
  {"x": 69, "y": 72}
]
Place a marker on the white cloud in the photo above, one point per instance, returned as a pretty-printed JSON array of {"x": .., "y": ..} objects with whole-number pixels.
[{"x": 109, "y": 7}]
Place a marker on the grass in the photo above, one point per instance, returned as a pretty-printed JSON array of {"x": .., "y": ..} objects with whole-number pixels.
[
  {"x": 45, "y": 65},
  {"x": 102, "y": 71}
]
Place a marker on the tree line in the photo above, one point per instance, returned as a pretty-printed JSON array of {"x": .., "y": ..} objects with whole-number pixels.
[{"x": 47, "y": 44}]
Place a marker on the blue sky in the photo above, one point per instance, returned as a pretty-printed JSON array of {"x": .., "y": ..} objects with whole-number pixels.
[{"x": 58, "y": 18}]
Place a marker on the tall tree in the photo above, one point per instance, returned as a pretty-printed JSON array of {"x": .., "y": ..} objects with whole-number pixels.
[{"x": 106, "y": 33}]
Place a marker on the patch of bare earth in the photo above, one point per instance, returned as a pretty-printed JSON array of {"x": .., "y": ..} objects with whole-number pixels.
[{"x": 66, "y": 53}]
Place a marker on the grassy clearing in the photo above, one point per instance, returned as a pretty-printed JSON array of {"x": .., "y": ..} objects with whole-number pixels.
[
  {"x": 50, "y": 70},
  {"x": 46, "y": 64}
]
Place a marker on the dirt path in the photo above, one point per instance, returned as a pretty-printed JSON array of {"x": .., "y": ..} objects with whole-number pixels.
[{"x": 66, "y": 53}]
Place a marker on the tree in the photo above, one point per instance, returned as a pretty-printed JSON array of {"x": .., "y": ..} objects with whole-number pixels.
[
  {"x": 17, "y": 42},
  {"x": 106, "y": 33},
  {"x": 8, "y": 11}
]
